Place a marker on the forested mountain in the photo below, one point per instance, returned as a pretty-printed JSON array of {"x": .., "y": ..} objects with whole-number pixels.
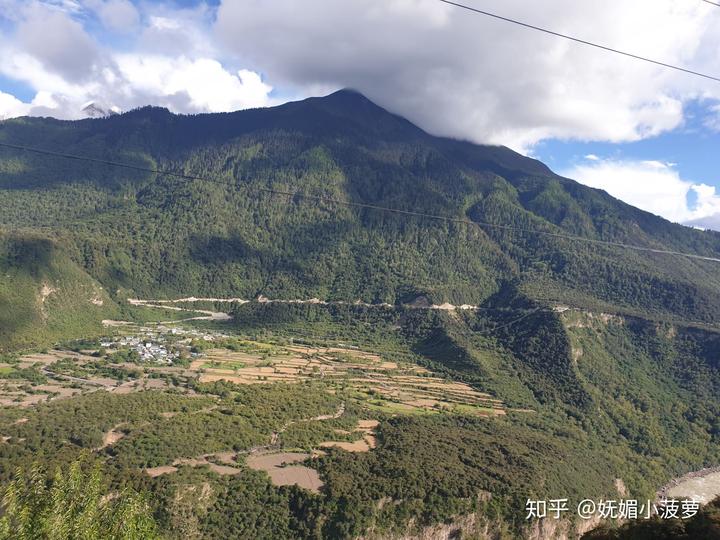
[
  {"x": 139, "y": 233},
  {"x": 604, "y": 357}
]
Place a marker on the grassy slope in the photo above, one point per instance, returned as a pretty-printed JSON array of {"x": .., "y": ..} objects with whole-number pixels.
[{"x": 44, "y": 296}]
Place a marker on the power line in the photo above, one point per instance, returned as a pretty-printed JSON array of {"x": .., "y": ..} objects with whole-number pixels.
[
  {"x": 711, "y": 3},
  {"x": 520, "y": 318},
  {"x": 584, "y": 42},
  {"x": 368, "y": 206}
]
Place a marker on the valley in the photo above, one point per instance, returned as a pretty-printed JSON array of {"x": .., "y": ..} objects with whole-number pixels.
[{"x": 341, "y": 370}]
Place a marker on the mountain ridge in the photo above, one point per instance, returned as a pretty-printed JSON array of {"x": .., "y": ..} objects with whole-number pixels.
[{"x": 154, "y": 235}]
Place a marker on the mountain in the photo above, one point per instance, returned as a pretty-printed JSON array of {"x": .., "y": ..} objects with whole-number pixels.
[
  {"x": 44, "y": 295},
  {"x": 600, "y": 344},
  {"x": 94, "y": 110},
  {"x": 160, "y": 235}
]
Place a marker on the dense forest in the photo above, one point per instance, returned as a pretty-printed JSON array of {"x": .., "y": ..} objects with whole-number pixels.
[{"x": 141, "y": 234}]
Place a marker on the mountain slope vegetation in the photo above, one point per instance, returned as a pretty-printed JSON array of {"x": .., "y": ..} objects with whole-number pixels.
[
  {"x": 44, "y": 295},
  {"x": 160, "y": 235}
]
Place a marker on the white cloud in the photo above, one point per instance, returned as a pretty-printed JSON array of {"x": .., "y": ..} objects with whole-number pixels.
[
  {"x": 452, "y": 72},
  {"x": 180, "y": 84},
  {"x": 178, "y": 32},
  {"x": 172, "y": 64},
  {"x": 461, "y": 74},
  {"x": 58, "y": 42},
  {"x": 712, "y": 120},
  {"x": 708, "y": 222},
  {"x": 10, "y": 106},
  {"x": 207, "y": 85},
  {"x": 117, "y": 15},
  {"x": 43, "y": 104},
  {"x": 650, "y": 185}
]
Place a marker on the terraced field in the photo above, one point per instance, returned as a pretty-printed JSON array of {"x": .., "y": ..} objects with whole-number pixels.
[
  {"x": 362, "y": 385},
  {"x": 391, "y": 386}
]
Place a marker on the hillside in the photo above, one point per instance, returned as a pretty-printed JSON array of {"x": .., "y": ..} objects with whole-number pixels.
[
  {"x": 162, "y": 236},
  {"x": 573, "y": 368},
  {"x": 44, "y": 295}
]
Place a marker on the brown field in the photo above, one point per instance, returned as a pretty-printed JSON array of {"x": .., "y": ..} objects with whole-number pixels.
[
  {"x": 397, "y": 387},
  {"x": 364, "y": 444},
  {"x": 158, "y": 471},
  {"x": 357, "y": 446},
  {"x": 281, "y": 471},
  {"x": 224, "y": 470},
  {"x": 53, "y": 356},
  {"x": 15, "y": 392},
  {"x": 204, "y": 461}
]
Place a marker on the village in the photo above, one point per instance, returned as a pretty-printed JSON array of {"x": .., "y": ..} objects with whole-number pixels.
[{"x": 160, "y": 345}]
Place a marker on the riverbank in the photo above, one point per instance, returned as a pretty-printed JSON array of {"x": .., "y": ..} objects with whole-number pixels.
[{"x": 702, "y": 485}]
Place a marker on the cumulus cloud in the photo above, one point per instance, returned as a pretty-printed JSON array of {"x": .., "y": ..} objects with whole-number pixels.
[
  {"x": 58, "y": 42},
  {"x": 465, "y": 75},
  {"x": 10, "y": 106},
  {"x": 180, "y": 84},
  {"x": 207, "y": 85},
  {"x": 452, "y": 72},
  {"x": 170, "y": 64},
  {"x": 653, "y": 186},
  {"x": 116, "y": 15}
]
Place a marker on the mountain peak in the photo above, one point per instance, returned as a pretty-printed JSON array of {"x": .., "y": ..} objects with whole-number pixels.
[
  {"x": 349, "y": 94},
  {"x": 96, "y": 110},
  {"x": 351, "y": 101},
  {"x": 351, "y": 107}
]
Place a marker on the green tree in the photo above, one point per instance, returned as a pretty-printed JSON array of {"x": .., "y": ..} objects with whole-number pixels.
[{"x": 72, "y": 505}]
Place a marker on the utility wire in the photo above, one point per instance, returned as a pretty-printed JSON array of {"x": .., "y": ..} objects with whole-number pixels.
[
  {"x": 331, "y": 200},
  {"x": 520, "y": 318},
  {"x": 584, "y": 42},
  {"x": 711, "y": 3}
]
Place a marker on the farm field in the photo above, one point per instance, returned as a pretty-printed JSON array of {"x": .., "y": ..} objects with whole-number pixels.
[
  {"x": 283, "y": 469},
  {"x": 141, "y": 357},
  {"x": 385, "y": 385},
  {"x": 355, "y": 389}
]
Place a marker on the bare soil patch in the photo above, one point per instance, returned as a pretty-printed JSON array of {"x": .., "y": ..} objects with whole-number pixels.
[
  {"x": 282, "y": 472},
  {"x": 158, "y": 471},
  {"x": 111, "y": 437},
  {"x": 357, "y": 446},
  {"x": 365, "y": 444}
]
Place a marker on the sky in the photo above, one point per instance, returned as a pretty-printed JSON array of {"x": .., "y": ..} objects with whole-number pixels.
[{"x": 646, "y": 134}]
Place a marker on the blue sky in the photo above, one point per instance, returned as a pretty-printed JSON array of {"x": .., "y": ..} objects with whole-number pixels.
[
  {"x": 692, "y": 148},
  {"x": 645, "y": 134},
  {"x": 678, "y": 159}
]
